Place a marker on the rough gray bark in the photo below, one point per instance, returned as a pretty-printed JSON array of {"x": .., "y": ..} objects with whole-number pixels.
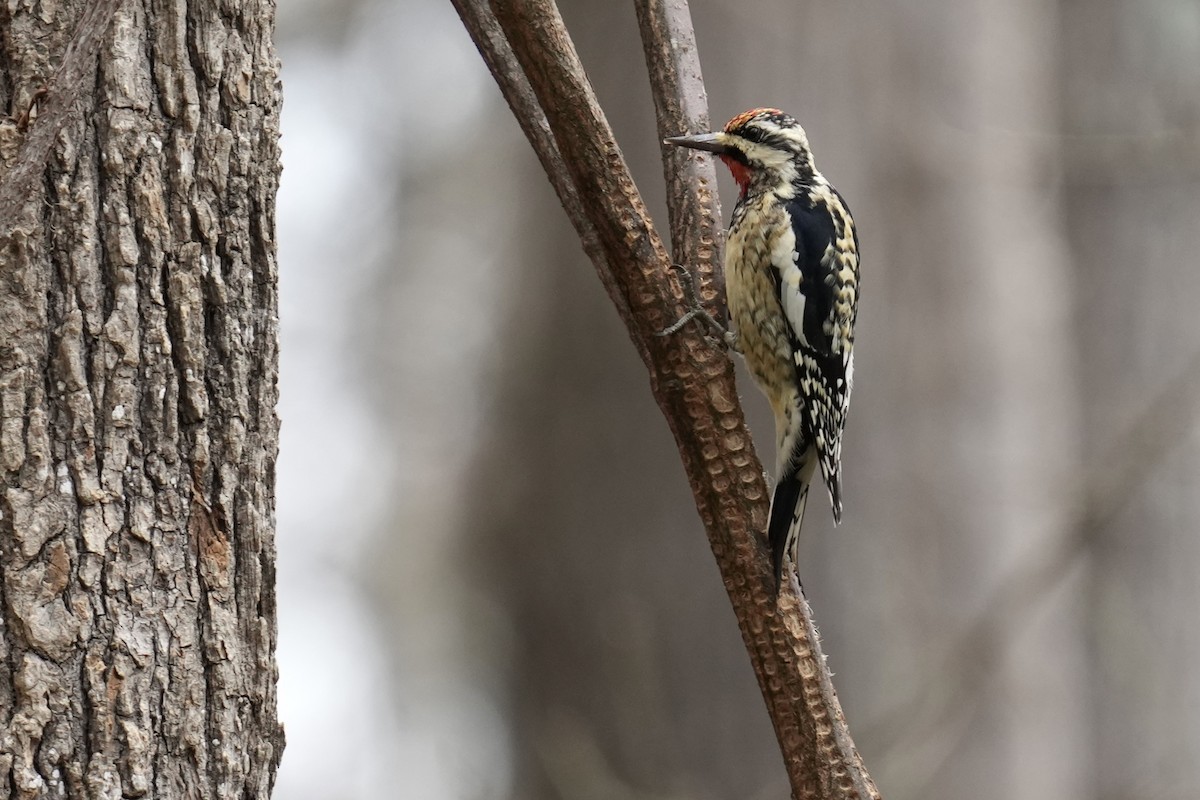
[{"x": 138, "y": 436}]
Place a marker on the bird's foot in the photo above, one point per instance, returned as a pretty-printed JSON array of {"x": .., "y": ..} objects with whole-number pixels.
[{"x": 722, "y": 336}]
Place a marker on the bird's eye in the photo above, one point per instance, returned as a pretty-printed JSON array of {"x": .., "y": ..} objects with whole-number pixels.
[{"x": 753, "y": 133}]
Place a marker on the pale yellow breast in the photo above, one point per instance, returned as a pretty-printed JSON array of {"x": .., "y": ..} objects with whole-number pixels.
[{"x": 753, "y": 303}]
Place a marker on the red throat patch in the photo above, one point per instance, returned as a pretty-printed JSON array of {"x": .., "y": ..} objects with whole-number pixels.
[{"x": 741, "y": 173}]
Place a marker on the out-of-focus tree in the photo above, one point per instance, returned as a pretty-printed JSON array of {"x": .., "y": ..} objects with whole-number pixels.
[
  {"x": 1131, "y": 171},
  {"x": 138, "y": 362}
]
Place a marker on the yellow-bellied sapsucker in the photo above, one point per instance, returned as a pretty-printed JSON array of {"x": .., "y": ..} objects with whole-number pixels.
[{"x": 791, "y": 276}]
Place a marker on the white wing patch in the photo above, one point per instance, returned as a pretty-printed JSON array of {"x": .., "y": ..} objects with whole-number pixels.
[{"x": 783, "y": 258}]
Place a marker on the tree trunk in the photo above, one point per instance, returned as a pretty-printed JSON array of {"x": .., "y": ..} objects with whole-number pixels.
[
  {"x": 138, "y": 436},
  {"x": 1132, "y": 99}
]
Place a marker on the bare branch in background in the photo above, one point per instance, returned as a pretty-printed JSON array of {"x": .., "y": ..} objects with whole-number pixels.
[
  {"x": 943, "y": 704},
  {"x": 50, "y": 109},
  {"x": 692, "y": 382}
]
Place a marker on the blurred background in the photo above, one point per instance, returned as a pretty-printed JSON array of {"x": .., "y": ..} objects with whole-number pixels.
[{"x": 493, "y": 583}]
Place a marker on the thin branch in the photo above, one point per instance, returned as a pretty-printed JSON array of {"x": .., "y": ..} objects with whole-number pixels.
[
  {"x": 681, "y": 105},
  {"x": 692, "y": 382},
  {"x": 594, "y": 163},
  {"x": 514, "y": 86},
  {"x": 55, "y": 107}
]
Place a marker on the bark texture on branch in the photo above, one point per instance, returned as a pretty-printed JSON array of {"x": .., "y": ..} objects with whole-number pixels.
[
  {"x": 691, "y": 381},
  {"x": 498, "y": 56},
  {"x": 138, "y": 435},
  {"x": 681, "y": 106}
]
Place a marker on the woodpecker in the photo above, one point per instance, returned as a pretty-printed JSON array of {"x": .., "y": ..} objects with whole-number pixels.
[{"x": 791, "y": 276}]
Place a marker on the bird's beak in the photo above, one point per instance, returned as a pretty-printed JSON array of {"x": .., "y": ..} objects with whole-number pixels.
[{"x": 700, "y": 141}]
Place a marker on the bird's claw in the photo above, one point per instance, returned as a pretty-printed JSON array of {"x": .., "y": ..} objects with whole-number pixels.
[{"x": 723, "y": 336}]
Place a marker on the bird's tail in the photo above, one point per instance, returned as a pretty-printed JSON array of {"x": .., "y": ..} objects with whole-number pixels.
[
  {"x": 830, "y": 459},
  {"x": 833, "y": 480},
  {"x": 787, "y": 512}
]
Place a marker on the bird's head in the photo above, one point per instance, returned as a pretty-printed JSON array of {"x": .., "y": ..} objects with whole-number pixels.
[{"x": 763, "y": 146}]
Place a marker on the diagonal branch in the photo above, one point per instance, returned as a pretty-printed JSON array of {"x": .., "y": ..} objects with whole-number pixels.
[
  {"x": 594, "y": 163},
  {"x": 692, "y": 383},
  {"x": 681, "y": 103},
  {"x": 489, "y": 39}
]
